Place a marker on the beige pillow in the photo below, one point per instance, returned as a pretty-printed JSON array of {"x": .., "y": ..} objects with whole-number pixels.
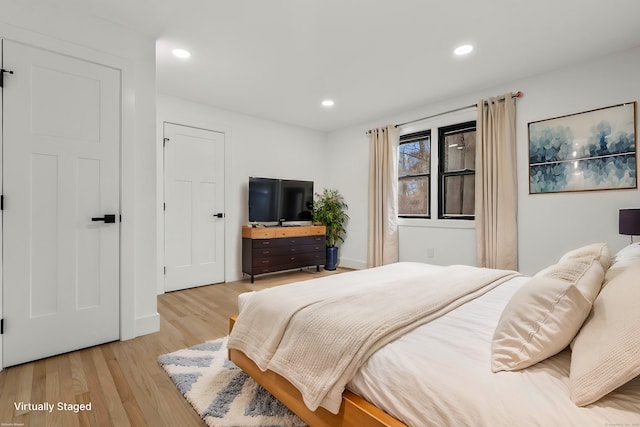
[
  {"x": 599, "y": 250},
  {"x": 606, "y": 352},
  {"x": 579, "y": 272},
  {"x": 545, "y": 314}
]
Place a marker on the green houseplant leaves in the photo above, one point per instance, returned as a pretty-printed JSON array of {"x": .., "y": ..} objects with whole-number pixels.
[{"x": 329, "y": 209}]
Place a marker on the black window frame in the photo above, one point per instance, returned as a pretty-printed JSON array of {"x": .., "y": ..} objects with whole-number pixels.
[
  {"x": 442, "y": 175},
  {"x": 412, "y": 137}
]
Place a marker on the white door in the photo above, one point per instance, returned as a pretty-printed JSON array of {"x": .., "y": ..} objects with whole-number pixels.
[
  {"x": 61, "y": 142},
  {"x": 194, "y": 207}
]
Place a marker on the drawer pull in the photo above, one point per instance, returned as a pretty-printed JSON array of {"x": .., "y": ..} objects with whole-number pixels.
[
  {"x": 293, "y": 258},
  {"x": 266, "y": 243},
  {"x": 266, "y": 252},
  {"x": 265, "y": 261}
]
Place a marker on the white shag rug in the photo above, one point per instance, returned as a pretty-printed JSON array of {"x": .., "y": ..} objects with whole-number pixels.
[{"x": 220, "y": 392}]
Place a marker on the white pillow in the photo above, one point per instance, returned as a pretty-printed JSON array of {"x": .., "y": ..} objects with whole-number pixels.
[
  {"x": 628, "y": 253},
  {"x": 625, "y": 257},
  {"x": 546, "y": 313},
  {"x": 605, "y": 353}
]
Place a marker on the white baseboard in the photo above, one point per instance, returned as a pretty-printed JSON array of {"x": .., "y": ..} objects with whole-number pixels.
[
  {"x": 352, "y": 263},
  {"x": 148, "y": 324}
]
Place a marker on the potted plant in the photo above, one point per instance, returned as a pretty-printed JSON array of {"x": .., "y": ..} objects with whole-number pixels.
[{"x": 329, "y": 209}]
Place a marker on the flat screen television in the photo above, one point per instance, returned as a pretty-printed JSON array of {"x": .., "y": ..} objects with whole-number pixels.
[
  {"x": 264, "y": 200},
  {"x": 280, "y": 201}
]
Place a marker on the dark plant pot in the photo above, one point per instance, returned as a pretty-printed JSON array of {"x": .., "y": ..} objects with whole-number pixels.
[{"x": 332, "y": 258}]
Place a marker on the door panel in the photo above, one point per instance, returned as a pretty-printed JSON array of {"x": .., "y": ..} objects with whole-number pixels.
[
  {"x": 61, "y": 141},
  {"x": 194, "y": 193},
  {"x": 79, "y": 120},
  {"x": 88, "y": 237},
  {"x": 43, "y": 233}
]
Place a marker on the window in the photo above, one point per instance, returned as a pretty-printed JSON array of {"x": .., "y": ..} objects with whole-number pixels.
[
  {"x": 414, "y": 175},
  {"x": 457, "y": 157}
]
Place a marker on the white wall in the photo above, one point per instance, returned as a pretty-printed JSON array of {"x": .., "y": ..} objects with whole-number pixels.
[
  {"x": 104, "y": 43},
  {"x": 254, "y": 147},
  {"x": 548, "y": 224},
  {"x": 551, "y": 224}
]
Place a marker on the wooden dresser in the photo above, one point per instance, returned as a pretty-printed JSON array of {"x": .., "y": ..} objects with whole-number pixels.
[{"x": 271, "y": 249}]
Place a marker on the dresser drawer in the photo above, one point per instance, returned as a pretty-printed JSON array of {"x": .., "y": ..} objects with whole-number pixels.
[
  {"x": 288, "y": 241},
  {"x": 296, "y": 259},
  {"x": 269, "y": 251},
  {"x": 284, "y": 262}
]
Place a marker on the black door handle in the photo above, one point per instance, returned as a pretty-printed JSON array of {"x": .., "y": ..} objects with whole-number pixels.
[
  {"x": 108, "y": 219},
  {"x": 219, "y": 215}
]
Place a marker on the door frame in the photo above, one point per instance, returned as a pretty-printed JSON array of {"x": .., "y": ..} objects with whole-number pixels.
[
  {"x": 1, "y": 211},
  {"x": 130, "y": 326},
  {"x": 170, "y": 146},
  {"x": 211, "y": 127}
]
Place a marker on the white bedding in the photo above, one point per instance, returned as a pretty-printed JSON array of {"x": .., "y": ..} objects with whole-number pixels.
[
  {"x": 440, "y": 375},
  {"x": 288, "y": 329}
]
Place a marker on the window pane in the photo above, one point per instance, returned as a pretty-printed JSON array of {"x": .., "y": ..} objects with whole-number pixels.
[
  {"x": 459, "y": 195},
  {"x": 413, "y": 196},
  {"x": 460, "y": 151},
  {"x": 414, "y": 157}
]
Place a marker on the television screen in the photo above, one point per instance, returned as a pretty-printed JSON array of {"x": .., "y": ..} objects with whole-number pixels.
[
  {"x": 280, "y": 201},
  {"x": 264, "y": 200},
  {"x": 296, "y": 200}
]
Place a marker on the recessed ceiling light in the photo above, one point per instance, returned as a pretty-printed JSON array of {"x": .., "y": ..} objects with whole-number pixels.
[
  {"x": 463, "y": 50},
  {"x": 327, "y": 103},
  {"x": 181, "y": 53}
]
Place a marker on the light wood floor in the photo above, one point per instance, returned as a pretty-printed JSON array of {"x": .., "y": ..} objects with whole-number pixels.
[{"x": 122, "y": 380}]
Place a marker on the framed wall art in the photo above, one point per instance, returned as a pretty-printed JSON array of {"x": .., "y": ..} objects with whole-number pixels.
[{"x": 593, "y": 150}]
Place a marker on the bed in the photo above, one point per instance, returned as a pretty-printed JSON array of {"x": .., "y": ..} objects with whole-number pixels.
[{"x": 559, "y": 348}]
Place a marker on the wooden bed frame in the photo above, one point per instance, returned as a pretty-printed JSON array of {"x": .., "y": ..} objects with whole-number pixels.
[{"x": 354, "y": 411}]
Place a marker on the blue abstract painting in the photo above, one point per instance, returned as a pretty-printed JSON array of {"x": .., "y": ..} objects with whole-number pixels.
[{"x": 594, "y": 150}]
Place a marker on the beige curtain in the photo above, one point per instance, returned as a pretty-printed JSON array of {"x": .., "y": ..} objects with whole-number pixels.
[
  {"x": 496, "y": 186},
  {"x": 383, "y": 197}
]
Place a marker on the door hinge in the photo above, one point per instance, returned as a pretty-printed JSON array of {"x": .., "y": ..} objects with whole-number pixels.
[
  {"x": 2, "y": 71},
  {"x": 164, "y": 206},
  {"x": 1, "y": 202},
  {"x": 1, "y": 326},
  {"x": 165, "y": 270}
]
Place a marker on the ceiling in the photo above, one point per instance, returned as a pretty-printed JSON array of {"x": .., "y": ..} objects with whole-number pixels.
[{"x": 278, "y": 59}]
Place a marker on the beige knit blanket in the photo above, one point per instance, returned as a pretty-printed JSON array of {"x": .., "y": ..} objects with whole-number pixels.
[{"x": 317, "y": 333}]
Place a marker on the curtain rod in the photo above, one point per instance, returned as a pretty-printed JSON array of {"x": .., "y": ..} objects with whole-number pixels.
[{"x": 513, "y": 95}]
